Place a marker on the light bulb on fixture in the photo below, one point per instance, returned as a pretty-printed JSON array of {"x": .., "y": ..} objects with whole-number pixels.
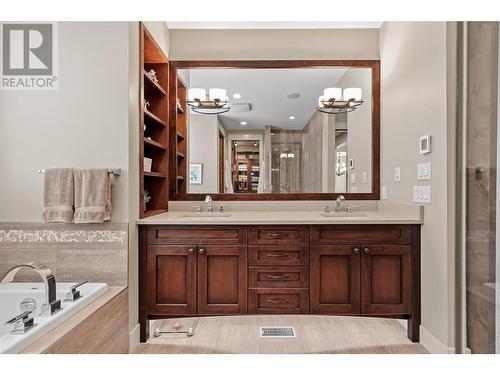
[
  {"x": 352, "y": 93},
  {"x": 197, "y": 95},
  {"x": 291, "y": 118},
  {"x": 243, "y": 123},
  {"x": 237, "y": 95},
  {"x": 217, "y": 95},
  {"x": 332, "y": 93}
]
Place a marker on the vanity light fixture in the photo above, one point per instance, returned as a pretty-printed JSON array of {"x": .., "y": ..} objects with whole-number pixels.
[
  {"x": 216, "y": 103},
  {"x": 335, "y": 101},
  {"x": 291, "y": 118},
  {"x": 243, "y": 123}
]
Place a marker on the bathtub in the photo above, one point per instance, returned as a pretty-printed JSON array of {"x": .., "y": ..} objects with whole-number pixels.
[{"x": 11, "y": 295}]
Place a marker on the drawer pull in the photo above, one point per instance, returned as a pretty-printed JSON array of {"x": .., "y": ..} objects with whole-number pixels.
[
  {"x": 366, "y": 250},
  {"x": 191, "y": 251},
  {"x": 277, "y": 235},
  {"x": 286, "y": 255},
  {"x": 278, "y": 300},
  {"x": 278, "y": 277}
]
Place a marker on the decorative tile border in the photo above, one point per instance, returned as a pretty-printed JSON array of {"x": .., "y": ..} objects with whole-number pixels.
[{"x": 48, "y": 235}]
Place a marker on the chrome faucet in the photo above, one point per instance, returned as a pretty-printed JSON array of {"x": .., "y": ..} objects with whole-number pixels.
[
  {"x": 52, "y": 304},
  {"x": 210, "y": 203},
  {"x": 339, "y": 203}
]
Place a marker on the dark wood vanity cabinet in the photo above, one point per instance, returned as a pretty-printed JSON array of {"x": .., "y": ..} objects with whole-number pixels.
[{"x": 190, "y": 270}]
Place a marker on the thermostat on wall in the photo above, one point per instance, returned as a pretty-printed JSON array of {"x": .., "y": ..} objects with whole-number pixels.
[{"x": 425, "y": 144}]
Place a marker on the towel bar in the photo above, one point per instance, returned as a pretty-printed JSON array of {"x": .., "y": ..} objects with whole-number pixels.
[{"x": 113, "y": 171}]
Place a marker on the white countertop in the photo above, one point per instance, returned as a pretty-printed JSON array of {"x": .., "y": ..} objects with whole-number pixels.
[{"x": 381, "y": 215}]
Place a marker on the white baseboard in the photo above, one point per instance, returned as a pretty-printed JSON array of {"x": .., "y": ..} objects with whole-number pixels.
[
  {"x": 432, "y": 344},
  {"x": 134, "y": 337}
]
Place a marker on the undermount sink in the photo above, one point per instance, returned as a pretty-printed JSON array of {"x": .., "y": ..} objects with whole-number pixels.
[
  {"x": 344, "y": 214},
  {"x": 205, "y": 215}
]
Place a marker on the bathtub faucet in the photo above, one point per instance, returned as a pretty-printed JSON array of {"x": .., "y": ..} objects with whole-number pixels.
[{"x": 52, "y": 304}]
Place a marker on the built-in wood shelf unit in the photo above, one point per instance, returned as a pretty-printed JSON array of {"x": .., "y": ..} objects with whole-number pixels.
[
  {"x": 178, "y": 129},
  {"x": 154, "y": 129}
]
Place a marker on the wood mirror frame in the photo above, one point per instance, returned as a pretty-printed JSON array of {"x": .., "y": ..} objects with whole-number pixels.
[{"x": 281, "y": 64}]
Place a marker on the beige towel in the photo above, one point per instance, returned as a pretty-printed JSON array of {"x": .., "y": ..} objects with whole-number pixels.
[
  {"x": 92, "y": 195},
  {"x": 58, "y": 196}
]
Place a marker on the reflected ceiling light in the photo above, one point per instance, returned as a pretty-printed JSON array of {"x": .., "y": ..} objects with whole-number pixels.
[
  {"x": 291, "y": 118},
  {"x": 216, "y": 103},
  {"x": 334, "y": 101},
  {"x": 293, "y": 95},
  {"x": 255, "y": 144},
  {"x": 243, "y": 123},
  {"x": 237, "y": 95}
]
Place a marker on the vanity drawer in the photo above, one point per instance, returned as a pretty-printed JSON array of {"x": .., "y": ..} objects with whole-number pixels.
[
  {"x": 278, "y": 301},
  {"x": 278, "y": 255},
  {"x": 278, "y": 234},
  {"x": 197, "y": 234},
  {"x": 361, "y": 234},
  {"x": 278, "y": 277}
]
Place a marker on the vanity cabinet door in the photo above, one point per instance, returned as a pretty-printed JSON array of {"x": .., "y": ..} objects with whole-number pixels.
[
  {"x": 171, "y": 280},
  {"x": 222, "y": 280},
  {"x": 335, "y": 279},
  {"x": 386, "y": 280}
]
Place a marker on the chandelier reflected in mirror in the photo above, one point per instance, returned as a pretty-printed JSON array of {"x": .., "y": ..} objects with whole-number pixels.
[
  {"x": 334, "y": 101},
  {"x": 215, "y": 103}
]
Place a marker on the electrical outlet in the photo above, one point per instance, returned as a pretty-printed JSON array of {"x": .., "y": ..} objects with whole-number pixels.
[
  {"x": 397, "y": 174},
  {"x": 424, "y": 171},
  {"x": 365, "y": 177},
  {"x": 353, "y": 178},
  {"x": 422, "y": 194},
  {"x": 354, "y": 189},
  {"x": 383, "y": 192}
]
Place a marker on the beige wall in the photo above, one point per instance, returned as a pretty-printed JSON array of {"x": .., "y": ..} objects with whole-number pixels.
[
  {"x": 204, "y": 149},
  {"x": 414, "y": 103},
  {"x": 357, "y": 44},
  {"x": 82, "y": 124}
]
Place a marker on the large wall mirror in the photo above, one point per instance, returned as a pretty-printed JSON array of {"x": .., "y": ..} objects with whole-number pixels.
[{"x": 292, "y": 131}]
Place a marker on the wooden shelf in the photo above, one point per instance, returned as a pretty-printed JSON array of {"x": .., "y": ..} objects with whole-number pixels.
[
  {"x": 180, "y": 154},
  {"x": 149, "y": 213},
  {"x": 154, "y": 144},
  {"x": 153, "y": 84},
  {"x": 154, "y": 174},
  {"x": 154, "y": 125},
  {"x": 154, "y": 118}
]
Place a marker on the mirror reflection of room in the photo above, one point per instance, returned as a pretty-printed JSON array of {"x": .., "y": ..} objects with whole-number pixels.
[{"x": 279, "y": 130}]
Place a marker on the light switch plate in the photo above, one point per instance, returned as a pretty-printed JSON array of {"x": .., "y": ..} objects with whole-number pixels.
[
  {"x": 383, "y": 192},
  {"x": 364, "y": 177},
  {"x": 353, "y": 178},
  {"x": 424, "y": 171},
  {"x": 397, "y": 174},
  {"x": 422, "y": 194}
]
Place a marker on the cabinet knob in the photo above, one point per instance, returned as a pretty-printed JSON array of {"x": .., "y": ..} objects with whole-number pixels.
[
  {"x": 201, "y": 251},
  {"x": 191, "y": 251},
  {"x": 355, "y": 250},
  {"x": 366, "y": 250}
]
